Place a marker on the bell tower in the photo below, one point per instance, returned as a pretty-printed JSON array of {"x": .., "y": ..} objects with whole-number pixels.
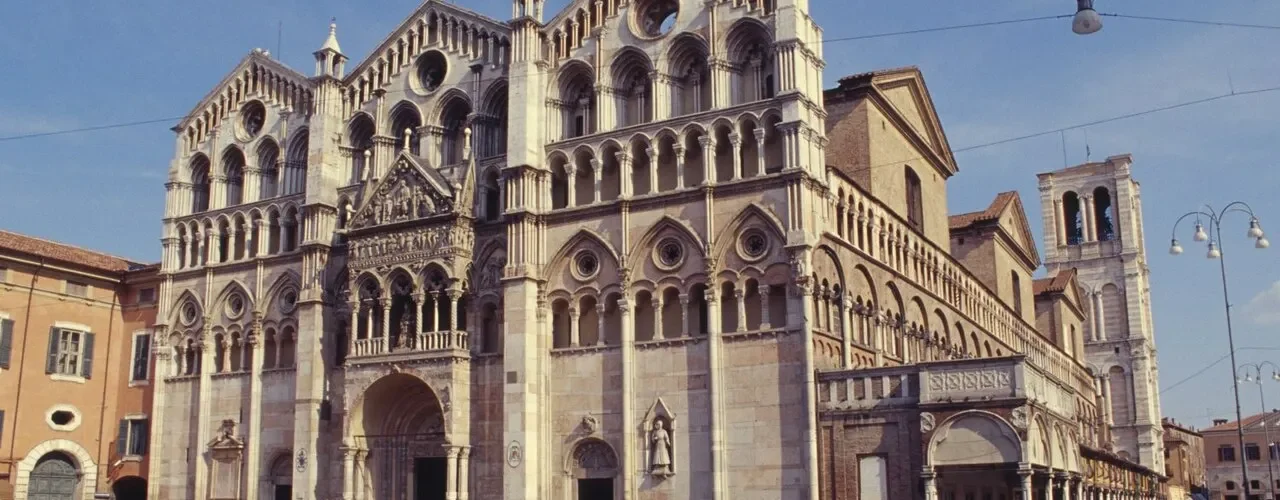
[{"x": 1093, "y": 223}]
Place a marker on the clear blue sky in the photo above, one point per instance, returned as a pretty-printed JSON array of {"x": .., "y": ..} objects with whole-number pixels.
[{"x": 78, "y": 64}]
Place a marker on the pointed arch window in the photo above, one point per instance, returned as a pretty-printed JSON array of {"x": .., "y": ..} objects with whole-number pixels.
[
  {"x": 1072, "y": 218},
  {"x": 1103, "y": 214}
]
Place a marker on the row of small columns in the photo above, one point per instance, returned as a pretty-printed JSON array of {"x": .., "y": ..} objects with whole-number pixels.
[
  {"x": 656, "y": 304},
  {"x": 355, "y": 462},
  {"x": 384, "y": 307},
  {"x": 708, "y": 161},
  {"x": 201, "y": 251},
  {"x": 1089, "y": 225}
]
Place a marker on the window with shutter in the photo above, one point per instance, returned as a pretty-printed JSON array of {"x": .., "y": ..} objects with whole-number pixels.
[
  {"x": 133, "y": 436},
  {"x": 70, "y": 353},
  {"x": 86, "y": 367},
  {"x": 122, "y": 439},
  {"x": 141, "y": 356},
  {"x": 6, "y": 342}
]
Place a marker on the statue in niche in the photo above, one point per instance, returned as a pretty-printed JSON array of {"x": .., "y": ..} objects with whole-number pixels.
[{"x": 660, "y": 440}]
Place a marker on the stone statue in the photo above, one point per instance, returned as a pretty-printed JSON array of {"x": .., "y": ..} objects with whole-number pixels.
[{"x": 661, "y": 440}]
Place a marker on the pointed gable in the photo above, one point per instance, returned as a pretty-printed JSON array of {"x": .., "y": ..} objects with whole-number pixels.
[
  {"x": 408, "y": 37},
  {"x": 902, "y": 95},
  {"x": 257, "y": 74},
  {"x": 411, "y": 190},
  {"x": 1007, "y": 215}
]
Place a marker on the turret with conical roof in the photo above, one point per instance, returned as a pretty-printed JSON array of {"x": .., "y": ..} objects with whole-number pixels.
[{"x": 329, "y": 59}]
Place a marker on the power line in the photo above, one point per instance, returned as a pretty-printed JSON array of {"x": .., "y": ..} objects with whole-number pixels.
[
  {"x": 945, "y": 28},
  {"x": 1193, "y": 21}
]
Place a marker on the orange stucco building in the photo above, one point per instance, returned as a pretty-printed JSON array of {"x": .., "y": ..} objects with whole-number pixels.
[{"x": 74, "y": 370}]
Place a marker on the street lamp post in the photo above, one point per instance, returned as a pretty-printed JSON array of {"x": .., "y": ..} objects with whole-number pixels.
[
  {"x": 1256, "y": 377},
  {"x": 1215, "y": 252}
]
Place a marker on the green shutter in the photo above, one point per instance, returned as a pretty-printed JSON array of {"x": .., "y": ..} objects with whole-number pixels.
[
  {"x": 52, "y": 365},
  {"x": 6, "y": 342},
  {"x": 86, "y": 367},
  {"x": 122, "y": 439}
]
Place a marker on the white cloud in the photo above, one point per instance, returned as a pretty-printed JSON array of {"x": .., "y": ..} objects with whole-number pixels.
[{"x": 1264, "y": 308}]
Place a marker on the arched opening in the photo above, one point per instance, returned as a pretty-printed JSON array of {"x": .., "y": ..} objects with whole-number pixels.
[
  {"x": 577, "y": 101},
  {"x": 589, "y": 322},
  {"x": 1072, "y": 218},
  {"x": 491, "y": 196},
  {"x": 281, "y": 477},
  {"x": 290, "y": 229},
  {"x": 915, "y": 199},
  {"x": 1103, "y": 215},
  {"x": 369, "y": 329},
  {"x": 295, "y": 164},
  {"x": 270, "y": 349},
  {"x": 360, "y": 142},
  {"x": 1118, "y": 382},
  {"x": 642, "y": 167},
  {"x": 1015, "y": 291},
  {"x": 975, "y": 452},
  {"x": 584, "y": 180},
  {"x": 199, "y": 184},
  {"x": 403, "y": 316},
  {"x": 129, "y": 488},
  {"x": 493, "y": 132},
  {"x": 453, "y": 120},
  {"x": 632, "y": 88},
  {"x": 594, "y": 467},
  {"x": 233, "y": 169},
  {"x": 561, "y": 323},
  {"x": 561, "y": 173},
  {"x": 752, "y": 62},
  {"x": 688, "y": 63},
  {"x": 724, "y": 154},
  {"x": 55, "y": 477},
  {"x": 401, "y": 421},
  {"x": 268, "y": 165},
  {"x": 698, "y": 310},
  {"x": 405, "y": 122},
  {"x": 645, "y": 316},
  {"x": 490, "y": 319},
  {"x": 220, "y": 346},
  {"x": 695, "y": 158},
  {"x": 610, "y": 173},
  {"x": 749, "y": 158},
  {"x": 673, "y": 317},
  {"x": 729, "y": 308}
]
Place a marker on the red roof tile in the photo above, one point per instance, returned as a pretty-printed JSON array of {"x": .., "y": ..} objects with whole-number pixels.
[
  {"x": 1056, "y": 283},
  {"x": 15, "y": 242},
  {"x": 1249, "y": 421},
  {"x": 991, "y": 213}
]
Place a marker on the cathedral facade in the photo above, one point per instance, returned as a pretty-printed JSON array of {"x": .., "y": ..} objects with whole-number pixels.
[{"x": 632, "y": 251}]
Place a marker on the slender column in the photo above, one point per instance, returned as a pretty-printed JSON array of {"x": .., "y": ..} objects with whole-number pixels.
[
  {"x": 464, "y": 465},
  {"x": 454, "y": 295},
  {"x": 1106, "y": 399},
  {"x": 419, "y": 302},
  {"x": 435, "y": 311},
  {"x": 355, "y": 327},
  {"x": 931, "y": 484},
  {"x": 735, "y": 141},
  {"x": 624, "y": 173},
  {"x": 1086, "y": 212},
  {"x": 203, "y": 408},
  {"x": 599, "y": 176},
  {"x": 571, "y": 172},
  {"x": 628, "y": 337},
  {"x": 760, "y": 159},
  {"x": 573, "y": 327},
  {"x": 763, "y": 292},
  {"x": 653, "y": 154},
  {"x": 708, "y": 158},
  {"x": 658, "y": 331},
  {"x": 1101, "y": 308},
  {"x": 741, "y": 297},
  {"x": 215, "y": 245},
  {"x": 716, "y": 416},
  {"x": 684, "y": 316},
  {"x": 362, "y": 456},
  {"x": 1051, "y": 487},
  {"x": 348, "y": 468},
  {"x": 163, "y": 354},
  {"x": 369, "y": 330},
  {"x": 1025, "y": 476},
  {"x": 384, "y": 305},
  {"x": 451, "y": 474},
  {"x": 600, "y": 323},
  {"x": 678, "y": 148},
  {"x": 847, "y": 332}
]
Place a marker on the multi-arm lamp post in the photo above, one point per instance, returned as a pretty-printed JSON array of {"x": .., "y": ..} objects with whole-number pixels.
[
  {"x": 1253, "y": 373},
  {"x": 1215, "y": 252}
]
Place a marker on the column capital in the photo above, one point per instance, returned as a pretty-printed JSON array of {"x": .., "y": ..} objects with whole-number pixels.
[{"x": 452, "y": 451}]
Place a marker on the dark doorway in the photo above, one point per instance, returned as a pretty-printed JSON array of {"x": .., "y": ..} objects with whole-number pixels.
[
  {"x": 284, "y": 492},
  {"x": 595, "y": 489},
  {"x": 429, "y": 476},
  {"x": 130, "y": 488}
]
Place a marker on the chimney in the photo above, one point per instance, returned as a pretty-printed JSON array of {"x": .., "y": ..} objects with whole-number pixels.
[{"x": 1219, "y": 421}]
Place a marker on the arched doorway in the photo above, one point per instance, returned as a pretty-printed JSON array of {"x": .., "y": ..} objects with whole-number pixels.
[
  {"x": 975, "y": 455},
  {"x": 281, "y": 478},
  {"x": 129, "y": 488},
  {"x": 400, "y": 423},
  {"x": 55, "y": 477},
  {"x": 594, "y": 467}
]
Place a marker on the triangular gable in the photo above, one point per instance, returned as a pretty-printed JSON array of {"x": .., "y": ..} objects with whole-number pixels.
[
  {"x": 411, "y": 23},
  {"x": 905, "y": 92},
  {"x": 409, "y": 191},
  {"x": 1013, "y": 219},
  {"x": 254, "y": 58}
]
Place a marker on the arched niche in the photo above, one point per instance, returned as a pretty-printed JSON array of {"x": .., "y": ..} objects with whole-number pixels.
[{"x": 974, "y": 438}]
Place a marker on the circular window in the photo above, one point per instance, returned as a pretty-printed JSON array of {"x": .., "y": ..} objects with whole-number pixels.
[
  {"x": 586, "y": 265},
  {"x": 655, "y": 18},
  {"x": 235, "y": 306},
  {"x": 669, "y": 254},
  {"x": 252, "y": 118},
  {"x": 189, "y": 313},
  {"x": 432, "y": 67},
  {"x": 62, "y": 417},
  {"x": 753, "y": 245},
  {"x": 288, "y": 301}
]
